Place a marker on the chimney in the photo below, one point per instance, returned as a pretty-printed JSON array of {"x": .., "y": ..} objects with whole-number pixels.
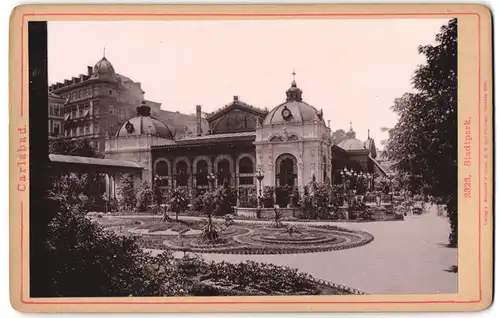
[
  {"x": 198, "y": 120},
  {"x": 89, "y": 70}
]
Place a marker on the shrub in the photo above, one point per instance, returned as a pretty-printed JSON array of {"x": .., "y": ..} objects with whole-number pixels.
[
  {"x": 268, "y": 196},
  {"x": 79, "y": 249},
  {"x": 127, "y": 200},
  {"x": 178, "y": 202},
  {"x": 269, "y": 279},
  {"x": 145, "y": 197},
  {"x": 316, "y": 202}
]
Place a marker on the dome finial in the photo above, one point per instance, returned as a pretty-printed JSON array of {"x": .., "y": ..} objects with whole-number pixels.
[
  {"x": 104, "y": 52},
  {"x": 294, "y": 93},
  {"x": 351, "y": 134},
  {"x": 143, "y": 109},
  {"x": 368, "y": 133}
]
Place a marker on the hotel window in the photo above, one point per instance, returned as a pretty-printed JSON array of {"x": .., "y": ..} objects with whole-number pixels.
[
  {"x": 80, "y": 93},
  {"x": 110, "y": 92},
  {"x": 68, "y": 133},
  {"x": 56, "y": 110},
  {"x": 80, "y": 111},
  {"x": 86, "y": 110},
  {"x": 96, "y": 110},
  {"x": 87, "y": 129},
  {"x": 73, "y": 132},
  {"x": 111, "y": 109},
  {"x": 56, "y": 130},
  {"x": 81, "y": 131},
  {"x": 96, "y": 128},
  {"x": 73, "y": 113},
  {"x": 73, "y": 95}
]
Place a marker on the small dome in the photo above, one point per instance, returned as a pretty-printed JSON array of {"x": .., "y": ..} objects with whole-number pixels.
[
  {"x": 104, "y": 68},
  {"x": 144, "y": 124},
  {"x": 293, "y": 110},
  {"x": 352, "y": 144},
  {"x": 298, "y": 112}
]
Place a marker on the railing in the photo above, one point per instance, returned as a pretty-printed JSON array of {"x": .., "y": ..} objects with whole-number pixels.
[
  {"x": 247, "y": 197},
  {"x": 374, "y": 198}
]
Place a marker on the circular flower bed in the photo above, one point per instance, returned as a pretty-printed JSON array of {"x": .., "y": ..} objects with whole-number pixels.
[{"x": 263, "y": 239}]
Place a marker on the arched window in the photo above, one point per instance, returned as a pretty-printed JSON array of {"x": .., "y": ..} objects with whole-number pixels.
[
  {"x": 161, "y": 170},
  {"x": 246, "y": 170},
  {"x": 246, "y": 165},
  {"x": 202, "y": 173},
  {"x": 181, "y": 174},
  {"x": 223, "y": 172}
]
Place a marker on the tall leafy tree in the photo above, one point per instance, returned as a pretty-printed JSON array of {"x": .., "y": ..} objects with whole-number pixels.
[
  {"x": 79, "y": 147},
  {"x": 424, "y": 141},
  {"x": 338, "y": 136}
]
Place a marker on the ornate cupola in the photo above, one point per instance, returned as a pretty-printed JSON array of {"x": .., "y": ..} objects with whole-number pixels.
[
  {"x": 143, "y": 109},
  {"x": 351, "y": 134},
  {"x": 294, "y": 93},
  {"x": 144, "y": 124}
]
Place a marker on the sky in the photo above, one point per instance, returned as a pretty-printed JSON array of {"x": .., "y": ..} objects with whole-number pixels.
[{"x": 353, "y": 69}]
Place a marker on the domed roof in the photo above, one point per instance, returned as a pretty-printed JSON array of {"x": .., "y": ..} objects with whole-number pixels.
[
  {"x": 298, "y": 112},
  {"x": 352, "y": 143},
  {"x": 293, "y": 110},
  {"x": 103, "y": 68},
  {"x": 144, "y": 124}
]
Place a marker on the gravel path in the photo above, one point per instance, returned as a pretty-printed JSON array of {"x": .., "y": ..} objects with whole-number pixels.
[{"x": 406, "y": 257}]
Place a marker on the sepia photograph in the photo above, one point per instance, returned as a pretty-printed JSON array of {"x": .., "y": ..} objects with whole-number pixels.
[
  {"x": 198, "y": 158},
  {"x": 216, "y": 158}
]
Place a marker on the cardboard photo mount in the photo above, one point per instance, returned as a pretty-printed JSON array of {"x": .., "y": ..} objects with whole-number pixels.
[{"x": 475, "y": 278}]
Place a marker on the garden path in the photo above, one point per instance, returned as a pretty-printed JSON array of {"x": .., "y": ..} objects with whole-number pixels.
[{"x": 406, "y": 257}]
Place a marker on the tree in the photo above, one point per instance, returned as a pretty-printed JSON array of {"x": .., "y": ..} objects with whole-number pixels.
[
  {"x": 178, "y": 202},
  {"x": 423, "y": 143},
  {"x": 145, "y": 197},
  {"x": 127, "y": 199},
  {"x": 78, "y": 147},
  {"x": 338, "y": 136}
]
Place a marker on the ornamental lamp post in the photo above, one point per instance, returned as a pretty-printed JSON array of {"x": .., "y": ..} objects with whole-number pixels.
[
  {"x": 157, "y": 182},
  {"x": 211, "y": 179},
  {"x": 259, "y": 177}
]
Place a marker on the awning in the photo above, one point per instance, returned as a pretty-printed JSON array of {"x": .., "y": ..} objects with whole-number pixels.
[{"x": 378, "y": 166}]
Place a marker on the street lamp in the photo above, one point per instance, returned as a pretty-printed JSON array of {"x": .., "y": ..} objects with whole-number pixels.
[
  {"x": 211, "y": 179},
  {"x": 259, "y": 175},
  {"x": 157, "y": 180}
]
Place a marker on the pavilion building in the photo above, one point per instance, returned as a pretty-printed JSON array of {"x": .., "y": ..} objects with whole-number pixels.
[{"x": 290, "y": 145}]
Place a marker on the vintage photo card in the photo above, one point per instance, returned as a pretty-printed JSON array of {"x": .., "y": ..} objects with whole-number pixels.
[{"x": 251, "y": 158}]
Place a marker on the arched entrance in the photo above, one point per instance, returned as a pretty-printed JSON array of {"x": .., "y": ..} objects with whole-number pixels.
[{"x": 286, "y": 170}]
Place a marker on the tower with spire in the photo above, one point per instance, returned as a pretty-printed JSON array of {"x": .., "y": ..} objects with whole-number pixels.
[
  {"x": 294, "y": 93},
  {"x": 351, "y": 134}
]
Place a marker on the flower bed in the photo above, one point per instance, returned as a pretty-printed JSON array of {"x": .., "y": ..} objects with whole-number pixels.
[
  {"x": 262, "y": 239},
  {"x": 260, "y": 279}
]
